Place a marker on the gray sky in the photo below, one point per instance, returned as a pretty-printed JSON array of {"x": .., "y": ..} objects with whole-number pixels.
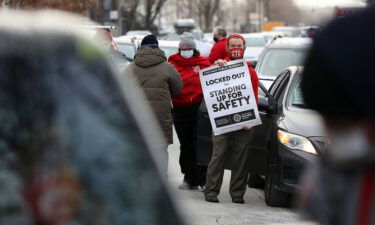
[{"x": 323, "y": 3}]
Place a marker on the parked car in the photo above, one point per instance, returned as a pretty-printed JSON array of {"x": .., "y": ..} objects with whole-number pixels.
[
  {"x": 280, "y": 54},
  {"x": 208, "y": 37},
  {"x": 169, "y": 47},
  {"x": 291, "y": 136},
  {"x": 309, "y": 31},
  {"x": 138, "y": 32},
  {"x": 268, "y": 35},
  {"x": 255, "y": 44},
  {"x": 170, "y": 37},
  {"x": 287, "y": 31},
  {"x": 126, "y": 45}
]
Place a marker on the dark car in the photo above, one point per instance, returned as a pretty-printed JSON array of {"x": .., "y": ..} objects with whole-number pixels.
[{"x": 290, "y": 137}]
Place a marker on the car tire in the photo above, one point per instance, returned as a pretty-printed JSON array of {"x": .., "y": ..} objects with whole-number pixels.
[
  {"x": 255, "y": 181},
  {"x": 274, "y": 197}
]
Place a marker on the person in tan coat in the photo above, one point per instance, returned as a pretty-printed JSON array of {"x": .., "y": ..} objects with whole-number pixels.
[{"x": 160, "y": 82}]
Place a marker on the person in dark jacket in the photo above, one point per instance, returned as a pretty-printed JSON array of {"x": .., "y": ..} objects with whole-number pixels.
[
  {"x": 340, "y": 188},
  {"x": 239, "y": 140},
  {"x": 188, "y": 62},
  {"x": 219, "y": 50},
  {"x": 160, "y": 82}
]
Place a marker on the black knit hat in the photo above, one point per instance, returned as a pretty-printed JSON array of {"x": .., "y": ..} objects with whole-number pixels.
[{"x": 150, "y": 41}]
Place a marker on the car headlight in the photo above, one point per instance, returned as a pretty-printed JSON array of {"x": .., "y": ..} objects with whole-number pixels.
[{"x": 295, "y": 142}]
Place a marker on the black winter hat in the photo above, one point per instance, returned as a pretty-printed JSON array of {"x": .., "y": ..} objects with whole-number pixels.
[
  {"x": 339, "y": 77},
  {"x": 150, "y": 40}
]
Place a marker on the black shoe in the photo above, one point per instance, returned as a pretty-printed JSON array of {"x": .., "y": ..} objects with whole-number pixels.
[
  {"x": 186, "y": 186},
  {"x": 211, "y": 198},
  {"x": 238, "y": 200}
]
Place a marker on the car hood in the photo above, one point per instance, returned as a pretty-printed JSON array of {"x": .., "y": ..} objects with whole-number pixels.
[
  {"x": 307, "y": 123},
  {"x": 266, "y": 83}
]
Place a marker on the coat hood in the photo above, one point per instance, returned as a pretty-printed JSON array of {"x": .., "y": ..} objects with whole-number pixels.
[{"x": 147, "y": 57}]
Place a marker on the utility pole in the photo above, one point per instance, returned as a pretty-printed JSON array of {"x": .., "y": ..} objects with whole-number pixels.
[
  {"x": 260, "y": 10},
  {"x": 234, "y": 15},
  {"x": 190, "y": 9}
]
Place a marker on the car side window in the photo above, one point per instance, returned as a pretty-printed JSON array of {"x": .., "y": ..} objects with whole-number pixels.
[
  {"x": 273, "y": 89},
  {"x": 261, "y": 93},
  {"x": 281, "y": 91}
]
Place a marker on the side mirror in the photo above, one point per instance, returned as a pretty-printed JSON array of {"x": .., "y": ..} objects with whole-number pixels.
[{"x": 265, "y": 105}]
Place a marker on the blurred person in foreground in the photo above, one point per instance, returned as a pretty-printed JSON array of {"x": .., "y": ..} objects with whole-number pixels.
[
  {"x": 160, "y": 82},
  {"x": 188, "y": 62},
  {"x": 237, "y": 141},
  {"x": 219, "y": 50},
  {"x": 72, "y": 144},
  {"x": 340, "y": 188}
]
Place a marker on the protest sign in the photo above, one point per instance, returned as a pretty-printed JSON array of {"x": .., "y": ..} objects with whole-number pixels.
[{"x": 229, "y": 97}]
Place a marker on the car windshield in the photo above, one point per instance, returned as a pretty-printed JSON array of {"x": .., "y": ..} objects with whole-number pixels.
[
  {"x": 295, "y": 97},
  {"x": 255, "y": 42},
  {"x": 169, "y": 50},
  {"x": 278, "y": 59},
  {"x": 127, "y": 49}
]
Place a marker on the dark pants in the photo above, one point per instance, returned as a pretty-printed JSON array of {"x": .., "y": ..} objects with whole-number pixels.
[
  {"x": 185, "y": 122},
  {"x": 240, "y": 144}
]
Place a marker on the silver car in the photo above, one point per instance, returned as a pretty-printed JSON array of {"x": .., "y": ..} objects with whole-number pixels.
[{"x": 280, "y": 54}]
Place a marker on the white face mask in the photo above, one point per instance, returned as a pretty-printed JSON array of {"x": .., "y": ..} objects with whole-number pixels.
[
  {"x": 187, "y": 54},
  {"x": 350, "y": 148}
]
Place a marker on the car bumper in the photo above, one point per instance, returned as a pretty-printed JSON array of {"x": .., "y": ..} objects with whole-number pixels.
[{"x": 289, "y": 170}]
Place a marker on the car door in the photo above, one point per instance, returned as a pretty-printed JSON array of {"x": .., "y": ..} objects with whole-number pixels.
[
  {"x": 262, "y": 132},
  {"x": 277, "y": 92}
]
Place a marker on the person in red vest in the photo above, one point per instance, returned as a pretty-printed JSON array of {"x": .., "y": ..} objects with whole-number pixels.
[
  {"x": 239, "y": 140},
  {"x": 188, "y": 62},
  {"x": 219, "y": 50}
]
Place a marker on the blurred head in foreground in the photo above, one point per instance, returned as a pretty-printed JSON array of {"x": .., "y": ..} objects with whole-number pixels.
[
  {"x": 72, "y": 149},
  {"x": 339, "y": 82}
]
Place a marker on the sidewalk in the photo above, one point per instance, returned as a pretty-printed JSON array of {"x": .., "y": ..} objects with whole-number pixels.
[{"x": 199, "y": 212}]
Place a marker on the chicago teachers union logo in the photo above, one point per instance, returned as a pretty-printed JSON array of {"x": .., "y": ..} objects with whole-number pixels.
[{"x": 237, "y": 118}]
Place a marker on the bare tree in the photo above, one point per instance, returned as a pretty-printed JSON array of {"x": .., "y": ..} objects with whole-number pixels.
[
  {"x": 152, "y": 10},
  {"x": 75, "y": 6},
  {"x": 207, "y": 10},
  {"x": 285, "y": 10},
  {"x": 129, "y": 12}
]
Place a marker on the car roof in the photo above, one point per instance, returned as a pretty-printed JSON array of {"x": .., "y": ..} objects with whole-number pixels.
[
  {"x": 290, "y": 43},
  {"x": 168, "y": 43},
  {"x": 123, "y": 40},
  {"x": 284, "y": 28},
  {"x": 259, "y": 35}
]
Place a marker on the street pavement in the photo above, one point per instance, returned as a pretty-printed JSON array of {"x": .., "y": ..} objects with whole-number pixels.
[{"x": 199, "y": 212}]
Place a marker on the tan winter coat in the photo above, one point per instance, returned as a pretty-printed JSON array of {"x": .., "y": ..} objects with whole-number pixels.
[{"x": 160, "y": 82}]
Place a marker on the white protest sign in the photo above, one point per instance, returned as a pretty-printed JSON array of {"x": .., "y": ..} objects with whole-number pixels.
[{"x": 229, "y": 97}]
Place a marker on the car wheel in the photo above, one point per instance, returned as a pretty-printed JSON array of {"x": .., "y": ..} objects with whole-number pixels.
[
  {"x": 274, "y": 197},
  {"x": 255, "y": 181}
]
